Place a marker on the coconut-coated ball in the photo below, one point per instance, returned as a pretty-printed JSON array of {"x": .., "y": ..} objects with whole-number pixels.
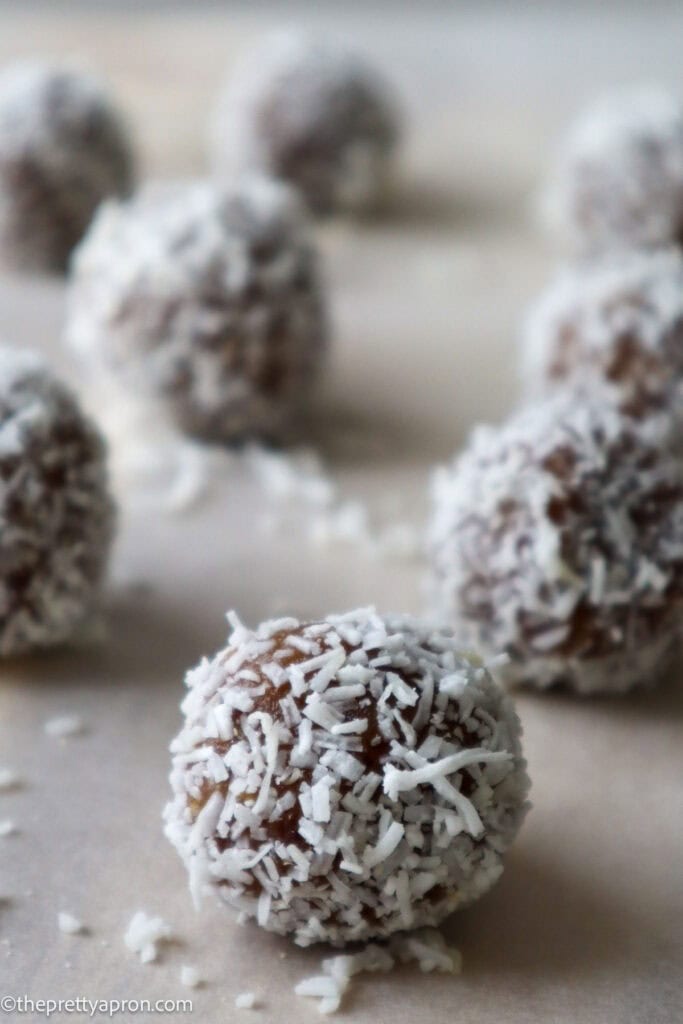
[
  {"x": 56, "y": 513},
  {"x": 616, "y": 322},
  {"x": 557, "y": 540},
  {"x": 340, "y": 780},
  {"x": 63, "y": 149},
  {"x": 618, "y": 179},
  {"x": 314, "y": 114},
  {"x": 206, "y": 301}
]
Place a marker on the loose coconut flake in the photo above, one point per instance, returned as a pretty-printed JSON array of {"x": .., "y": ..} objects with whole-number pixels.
[
  {"x": 144, "y": 933},
  {"x": 65, "y": 726},
  {"x": 425, "y": 947},
  {"x": 69, "y": 924}
]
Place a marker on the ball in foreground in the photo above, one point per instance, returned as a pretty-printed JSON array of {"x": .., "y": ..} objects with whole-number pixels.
[
  {"x": 617, "y": 321},
  {"x": 313, "y": 114},
  {"x": 619, "y": 176},
  {"x": 345, "y": 779},
  {"x": 63, "y": 149},
  {"x": 56, "y": 515},
  {"x": 206, "y": 301},
  {"x": 557, "y": 539}
]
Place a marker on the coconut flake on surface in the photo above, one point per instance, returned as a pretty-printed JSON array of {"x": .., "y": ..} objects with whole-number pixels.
[
  {"x": 9, "y": 780},
  {"x": 426, "y": 947},
  {"x": 190, "y": 976},
  {"x": 69, "y": 924},
  {"x": 143, "y": 934},
  {"x": 7, "y": 828},
  {"x": 64, "y": 726},
  {"x": 246, "y": 1001}
]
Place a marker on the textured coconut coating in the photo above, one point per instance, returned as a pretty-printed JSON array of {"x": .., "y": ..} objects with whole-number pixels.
[
  {"x": 312, "y": 113},
  {"x": 56, "y": 515},
  {"x": 616, "y": 322},
  {"x": 344, "y": 779},
  {"x": 557, "y": 539},
  {"x": 618, "y": 180},
  {"x": 63, "y": 149},
  {"x": 205, "y": 300}
]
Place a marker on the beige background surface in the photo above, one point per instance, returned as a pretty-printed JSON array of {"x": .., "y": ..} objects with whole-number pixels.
[{"x": 587, "y": 923}]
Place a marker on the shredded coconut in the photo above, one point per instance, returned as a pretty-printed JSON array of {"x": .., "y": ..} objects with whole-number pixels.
[
  {"x": 69, "y": 924},
  {"x": 64, "y": 726},
  {"x": 618, "y": 181},
  {"x": 367, "y": 799},
  {"x": 245, "y": 1001},
  {"x": 9, "y": 780},
  {"x": 144, "y": 933},
  {"x": 190, "y": 976},
  {"x": 312, "y": 113},
  {"x": 7, "y": 827},
  {"x": 426, "y": 947},
  {"x": 523, "y": 517}
]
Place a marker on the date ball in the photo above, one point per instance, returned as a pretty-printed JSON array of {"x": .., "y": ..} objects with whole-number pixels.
[
  {"x": 557, "y": 540},
  {"x": 63, "y": 149},
  {"x": 343, "y": 779},
  {"x": 617, "y": 322},
  {"x": 313, "y": 114},
  {"x": 619, "y": 176},
  {"x": 205, "y": 301},
  {"x": 56, "y": 514}
]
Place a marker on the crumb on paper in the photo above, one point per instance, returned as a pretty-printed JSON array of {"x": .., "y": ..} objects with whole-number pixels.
[
  {"x": 426, "y": 947},
  {"x": 144, "y": 933},
  {"x": 9, "y": 780},
  {"x": 246, "y": 1001},
  {"x": 69, "y": 924},
  {"x": 63, "y": 726},
  {"x": 190, "y": 976}
]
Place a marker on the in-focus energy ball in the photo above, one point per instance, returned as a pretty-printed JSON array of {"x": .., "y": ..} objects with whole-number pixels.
[
  {"x": 207, "y": 301},
  {"x": 557, "y": 540},
  {"x": 344, "y": 779},
  {"x": 56, "y": 514},
  {"x": 618, "y": 180},
  {"x": 63, "y": 149},
  {"x": 616, "y": 322},
  {"x": 314, "y": 114}
]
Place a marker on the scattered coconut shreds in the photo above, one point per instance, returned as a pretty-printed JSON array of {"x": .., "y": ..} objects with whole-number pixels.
[
  {"x": 7, "y": 827},
  {"x": 9, "y": 780},
  {"x": 190, "y": 976},
  {"x": 246, "y": 1001},
  {"x": 64, "y": 726},
  {"x": 426, "y": 947},
  {"x": 143, "y": 934},
  {"x": 69, "y": 924},
  {"x": 300, "y": 479}
]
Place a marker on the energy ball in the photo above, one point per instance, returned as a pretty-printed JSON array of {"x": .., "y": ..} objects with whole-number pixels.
[
  {"x": 56, "y": 514},
  {"x": 343, "y": 779},
  {"x": 619, "y": 176},
  {"x": 205, "y": 301},
  {"x": 557, "y": 540},
  {"x": 617, "y": 322},
  {"x": 313, "y": 114},
  {"x": 63, "y": 149}
]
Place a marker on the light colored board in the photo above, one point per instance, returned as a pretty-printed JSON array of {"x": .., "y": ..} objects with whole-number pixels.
[{"x": 586, "y": 924}]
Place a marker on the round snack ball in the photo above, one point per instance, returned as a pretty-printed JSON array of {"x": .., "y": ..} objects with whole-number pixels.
[
  {"x": 207, "y": 301},
  {"x": 313, "y": 114},
  {"x": 343, "y": 779},
  {"x": 63, "y": 149},
  {"x": 56, "y": 514},
  {"x": 619, "y": 176},
  {"x": 557, "y": 540},
  {"x": 617, "y": 322}
]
